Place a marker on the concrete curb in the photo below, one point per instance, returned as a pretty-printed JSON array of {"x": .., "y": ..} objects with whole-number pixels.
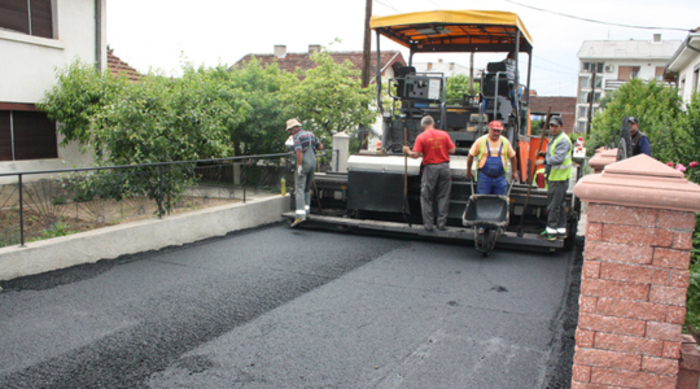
[{"x": 131, "y": 238}]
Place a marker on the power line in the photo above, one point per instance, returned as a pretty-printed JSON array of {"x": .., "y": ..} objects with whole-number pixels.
[
  {"x": 388, "y": 6},
  {"x": 598, "y": 21},
  {"x": 549, "y": 61},
  {"x": 552, "y": 70}
]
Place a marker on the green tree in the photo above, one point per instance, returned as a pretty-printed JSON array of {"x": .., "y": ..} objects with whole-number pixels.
[
  {"x": 330, "y": 98},
  {"x": 683, "y": 146},
  {"x": 657, "y": 107},
  {"x": 80, "y": 93},
  {"x": 457, "y": 86},
  {"x": 162, "y": 119},
  {"x": 157, "y": 119},
  {"x": 266, "y": 95}
]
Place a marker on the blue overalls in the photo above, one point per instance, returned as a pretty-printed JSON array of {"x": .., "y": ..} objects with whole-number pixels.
[{"x": 491, "y": 178}]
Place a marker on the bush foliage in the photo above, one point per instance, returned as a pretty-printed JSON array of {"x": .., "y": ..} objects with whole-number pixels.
[{"x": 206, "y": 113}]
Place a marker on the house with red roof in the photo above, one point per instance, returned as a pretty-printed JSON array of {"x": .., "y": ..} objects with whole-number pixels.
[
  {"x": 290, "y": 62},
  {"x": 118, "y": 67}
]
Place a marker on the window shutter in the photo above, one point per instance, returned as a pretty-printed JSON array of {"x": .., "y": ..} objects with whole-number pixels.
[
  {"x": 42, "y": 23},
  {"x": 35, "y": 136},
  {"x": 5, "y": 137},
  {"x": 14, "y": 15}
]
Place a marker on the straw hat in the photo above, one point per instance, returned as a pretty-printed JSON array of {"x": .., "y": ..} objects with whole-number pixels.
[{"x": 291, "y": 123}]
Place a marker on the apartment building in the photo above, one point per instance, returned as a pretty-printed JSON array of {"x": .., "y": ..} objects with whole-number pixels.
[{"x": 606, "y": 65}]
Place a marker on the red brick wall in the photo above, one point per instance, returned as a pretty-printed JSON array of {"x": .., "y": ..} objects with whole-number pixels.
[{"x": 632, "y": 304}]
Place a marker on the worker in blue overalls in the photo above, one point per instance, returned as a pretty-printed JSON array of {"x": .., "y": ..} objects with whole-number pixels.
[{"x": 491, "y": 151}]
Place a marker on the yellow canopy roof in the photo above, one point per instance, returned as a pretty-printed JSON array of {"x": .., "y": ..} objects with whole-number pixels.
[{"x": 454, "y": 30}]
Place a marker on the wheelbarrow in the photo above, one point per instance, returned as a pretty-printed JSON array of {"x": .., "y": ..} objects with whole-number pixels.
[{"x": 489, "y": 216}]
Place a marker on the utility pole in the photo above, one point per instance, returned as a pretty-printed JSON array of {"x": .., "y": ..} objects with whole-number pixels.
[
  {"x": 471, "y": 75},
  {"x": 365, "y": 66},
  {"x": 366, "y": 48},
  {"x": 590, "y": 101}
]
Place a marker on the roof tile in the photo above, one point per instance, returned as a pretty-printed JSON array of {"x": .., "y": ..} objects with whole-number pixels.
[{"x": 116, "y": 66}]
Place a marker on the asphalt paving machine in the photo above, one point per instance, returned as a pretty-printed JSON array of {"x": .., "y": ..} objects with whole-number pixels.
[{"x": 380, "y": 190}]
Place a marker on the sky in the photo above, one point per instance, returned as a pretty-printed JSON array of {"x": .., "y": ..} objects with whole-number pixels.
[{"x": 162, "y": 36}]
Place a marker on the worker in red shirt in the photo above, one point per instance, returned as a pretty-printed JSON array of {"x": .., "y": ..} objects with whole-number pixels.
[{"x": 435, "y": 146}]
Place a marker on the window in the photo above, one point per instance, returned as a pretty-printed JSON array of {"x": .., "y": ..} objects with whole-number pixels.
[
  {"x": 659, "y": 73},
  {"x": 26, "y": 135},
  {"x": 582, "y": 111},
  {"x": 598, "y": 82},
  {"x": 585, "y": 82},
  {"x": 583, "y": 97},
  {"x": 588, "y": 67},
  {"x": 33, "y": 17},
  {"x": 580, "y": 126},
  {"x": 626, "y": 73}
]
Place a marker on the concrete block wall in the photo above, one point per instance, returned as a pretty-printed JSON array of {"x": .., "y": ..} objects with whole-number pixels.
[
  {"x": 131, "y": 238},
  {"x": 632, "y": 304}
]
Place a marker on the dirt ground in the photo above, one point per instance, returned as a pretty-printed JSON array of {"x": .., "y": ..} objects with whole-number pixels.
[{"x": 44, "y": 219}]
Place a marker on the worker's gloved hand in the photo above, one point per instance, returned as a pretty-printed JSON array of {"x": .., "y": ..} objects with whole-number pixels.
[{"x": 299, "y": 170}]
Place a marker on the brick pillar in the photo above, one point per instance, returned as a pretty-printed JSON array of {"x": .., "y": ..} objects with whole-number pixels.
[
  {"x": 602, "y": 158},
  {"x": 641, "y": 217}
]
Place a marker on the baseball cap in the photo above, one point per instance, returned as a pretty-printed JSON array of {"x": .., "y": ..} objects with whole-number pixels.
[
  {"x": 556, "y": 120},
  {"x": 496, "y": 125},
  {"x": 633, "y": 120}
]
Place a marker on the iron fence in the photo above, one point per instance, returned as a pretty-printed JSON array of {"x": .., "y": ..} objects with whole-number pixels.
[{"x": 45, "y": 204}]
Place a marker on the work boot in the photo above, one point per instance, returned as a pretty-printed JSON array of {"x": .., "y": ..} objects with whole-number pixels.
[
  {"x": 547, "y": 236},
  {"x": 441, "y": 226},
  {"x": 297, "y": 221},
  {"x": 428, "y": 228}
]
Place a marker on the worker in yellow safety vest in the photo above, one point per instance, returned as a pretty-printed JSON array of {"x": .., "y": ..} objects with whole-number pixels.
[{"x": 559, "y": 169}]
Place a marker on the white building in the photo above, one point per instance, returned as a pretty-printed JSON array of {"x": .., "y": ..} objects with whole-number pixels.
[
  {"x": 36, "y": 38},
  {"x": 684, "y": 67},
  {"x": 449, "y": 69},
  {"x": 614, "y": 63}
]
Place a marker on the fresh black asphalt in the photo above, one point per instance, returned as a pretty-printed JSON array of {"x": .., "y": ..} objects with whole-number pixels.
[{"x": 293, "y": 308}]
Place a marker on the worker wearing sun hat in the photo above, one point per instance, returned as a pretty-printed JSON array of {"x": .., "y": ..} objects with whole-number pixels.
[{"x": 305, "y": 146}]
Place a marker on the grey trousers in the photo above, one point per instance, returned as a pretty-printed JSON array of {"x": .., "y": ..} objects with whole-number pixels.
[
  {"x": 435, "y": 183},
  {"x": 556, "y": 207},
  {"x": 303, "y": 182}
]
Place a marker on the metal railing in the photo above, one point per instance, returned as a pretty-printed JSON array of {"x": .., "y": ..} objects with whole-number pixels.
[{"x": 65, "y": 201}]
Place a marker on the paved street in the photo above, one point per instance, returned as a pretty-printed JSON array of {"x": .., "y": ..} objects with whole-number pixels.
[{"x": 282, "y": 308}]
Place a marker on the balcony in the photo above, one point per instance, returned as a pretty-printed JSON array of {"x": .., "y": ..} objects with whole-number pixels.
[{"x": 611, "y": 85}]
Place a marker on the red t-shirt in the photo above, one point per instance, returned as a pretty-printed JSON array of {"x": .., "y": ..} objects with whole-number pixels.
[{"x": 434, "y": 145}]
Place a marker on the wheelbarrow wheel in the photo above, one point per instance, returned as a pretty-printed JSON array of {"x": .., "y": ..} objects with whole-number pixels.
[{"x": 486, "y": 241}]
